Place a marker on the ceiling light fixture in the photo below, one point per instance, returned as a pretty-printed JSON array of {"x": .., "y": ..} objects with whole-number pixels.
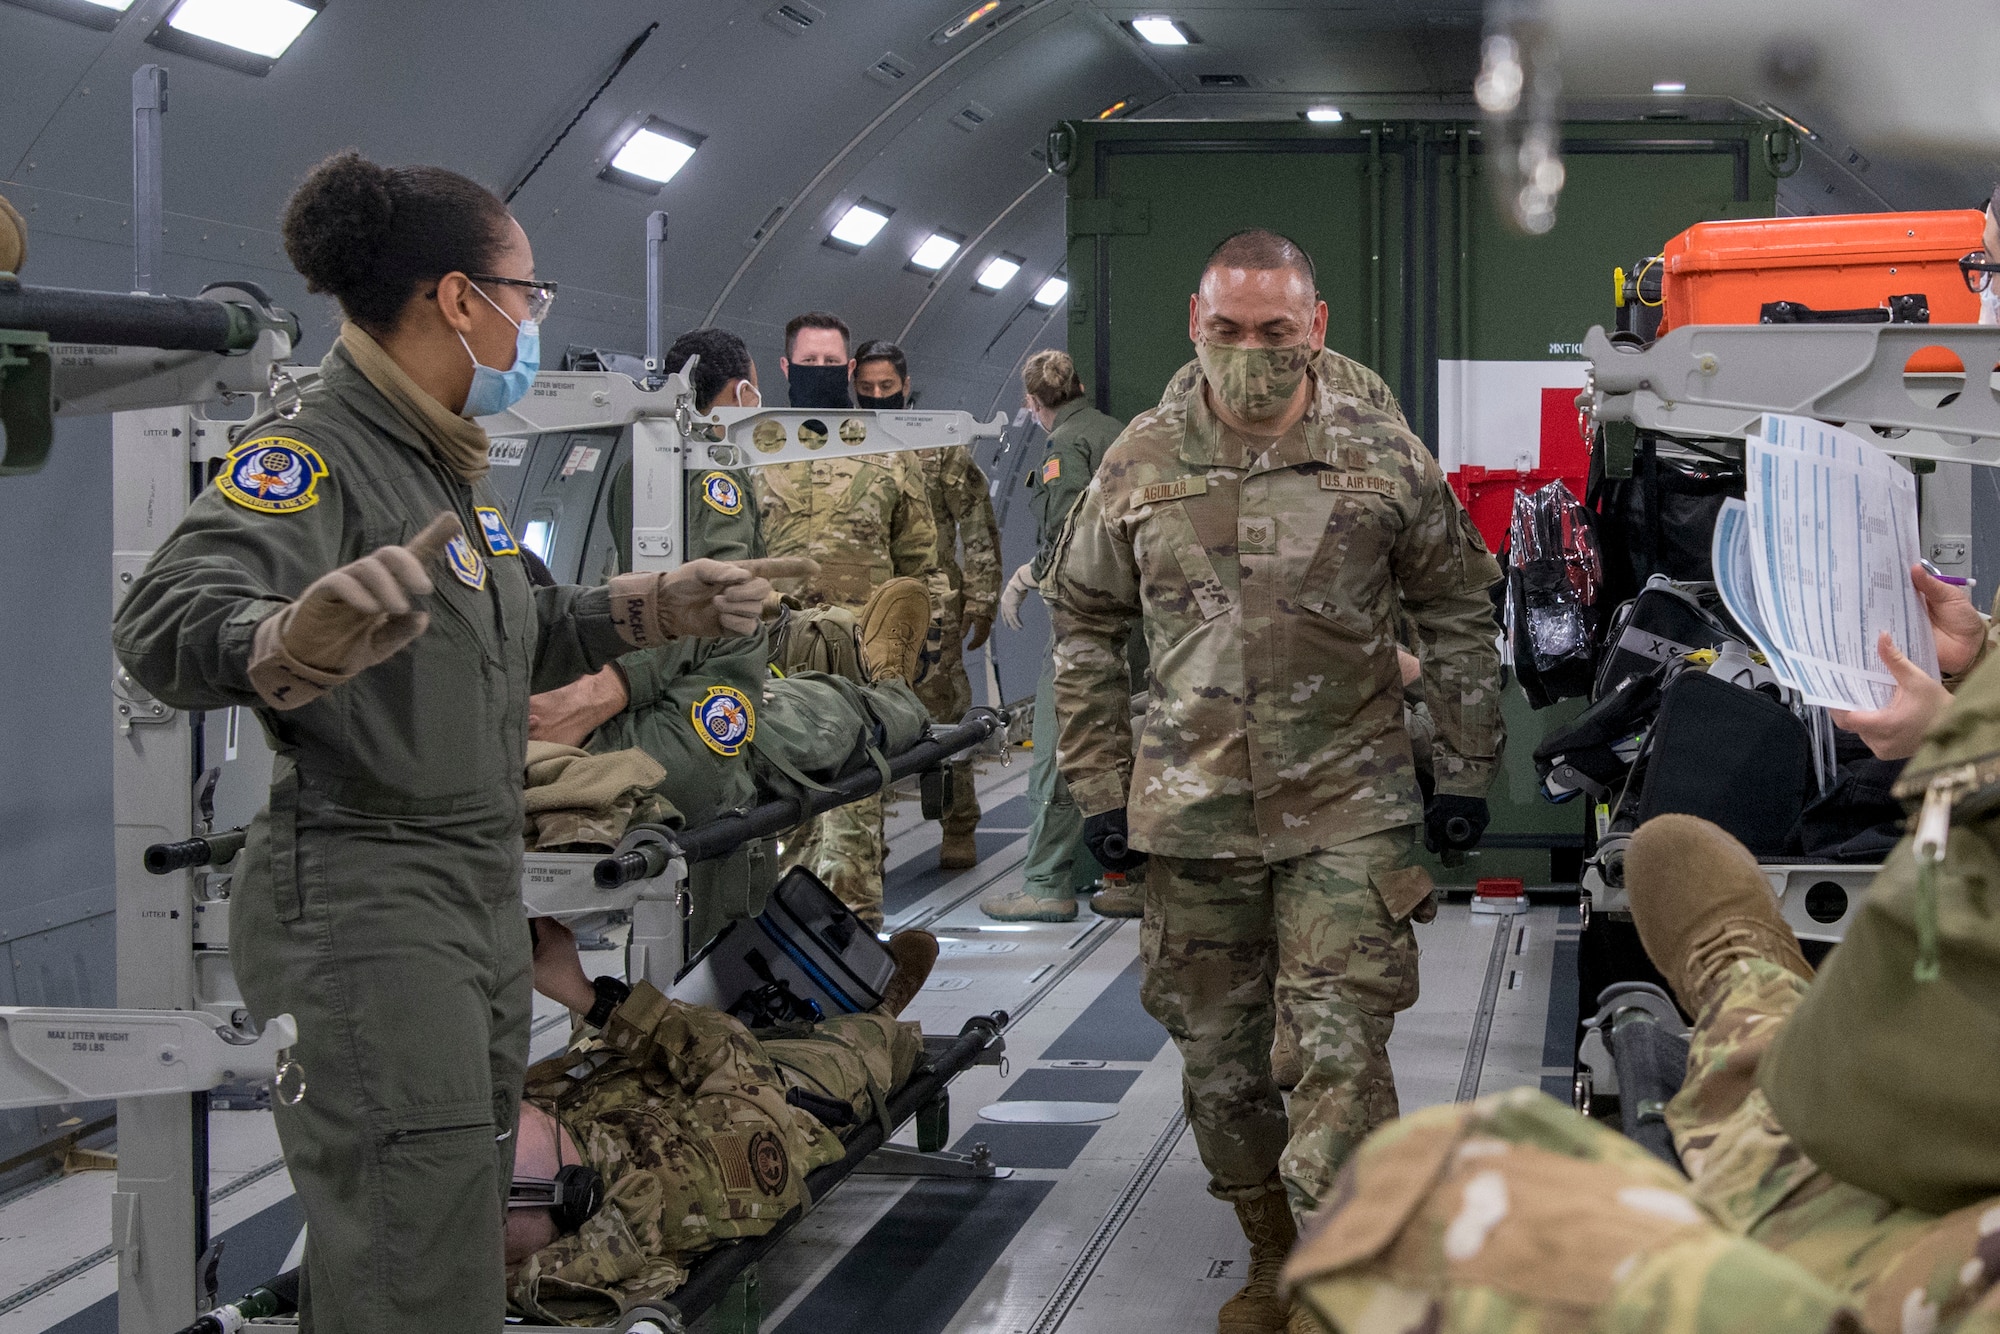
[
  {"x": 247, "y": 35},
  {"x": 651, "y": 155},
  {"x": 100, "y": 14},
  {"x": 1114, "y": 108},
  {"x": 1670, "y": 86},
  {"x": 999, "y": 271},
  {"x": 936, "y": 252},
  {"x": 862, "y": 223},
  {"x": 957, "y": 26},
  {"x": 1324, "y": 115},
  {"x": 1159, "y": 30},
  {"x": 1051, "y": 293}
]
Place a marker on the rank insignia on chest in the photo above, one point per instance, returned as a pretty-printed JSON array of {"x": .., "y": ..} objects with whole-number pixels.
[
  {"x": 724, "y": 720},
  {"x": 722, "y": 493},
  {"x": 1175, "y": 490},
  {"x": 465, "y": 563},
  {"x": 494, "y": 528},
  {"x": 273, "y": 474},
  {"x": 1051, "y": 469},
  {"x": 1357, "y": 481}
]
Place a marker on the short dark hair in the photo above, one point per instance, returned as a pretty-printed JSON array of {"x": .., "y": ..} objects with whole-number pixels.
[
  {"x": 369, "y": 235},
  {"x": 724, "y": 357},
  {"x": 881, "y": 349},
  {"x": 1260, "y": 248},
  {"x": 815, "y": 319}
]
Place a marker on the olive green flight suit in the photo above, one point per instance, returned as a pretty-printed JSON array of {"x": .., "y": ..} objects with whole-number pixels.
[
  {"x": 1058, "y": 864},
  {"x": 378, "y": 899}
]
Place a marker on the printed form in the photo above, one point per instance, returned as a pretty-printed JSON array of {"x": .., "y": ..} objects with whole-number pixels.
[{"x": 1815, "y": 563}]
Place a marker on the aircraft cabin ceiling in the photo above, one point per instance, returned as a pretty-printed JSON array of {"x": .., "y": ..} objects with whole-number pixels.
[{"x": 801, "y": 110}]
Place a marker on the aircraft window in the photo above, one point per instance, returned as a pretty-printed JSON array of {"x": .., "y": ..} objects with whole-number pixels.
[
  {"x": 538, "y": 536},
  {"x": 999, "y": 271},
  {"x": 769, "y": 436},
  {"x": 812, "y": 433},
  {"x": 853, "y": 431}
]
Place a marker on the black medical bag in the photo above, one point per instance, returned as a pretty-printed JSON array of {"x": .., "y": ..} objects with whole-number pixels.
[
  {"x": 1665, "y": 622},
  {"x": 1730, "y": 755}
]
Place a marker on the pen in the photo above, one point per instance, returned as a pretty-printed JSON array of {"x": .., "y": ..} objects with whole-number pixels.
[{"x": 1944, "y": 578}]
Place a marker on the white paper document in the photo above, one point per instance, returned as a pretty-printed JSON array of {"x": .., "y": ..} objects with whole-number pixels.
[{"x": 1815, "y": 564}]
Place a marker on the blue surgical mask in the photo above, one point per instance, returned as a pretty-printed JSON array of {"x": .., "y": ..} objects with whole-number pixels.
[{"x": 495, "y": 391}]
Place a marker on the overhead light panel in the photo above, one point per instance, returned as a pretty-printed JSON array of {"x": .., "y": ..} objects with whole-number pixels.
[
  {"x": 1051, "y": 293},
  {"x": 1670, "y": 86},
  {"x": 935, "y": 252},
  {"x": 862, "y": 222},
  {"x": 1158, "y": 30},
  {"x": 1114, "y": 108},
  {"x": 100, "y": 14},
  {"x": 248, "y": 35},
  {"x": 999, "y": 271},
  {"x": 651, "y": 156},
  {"x": 1324, "y": 115},
  {"x": 964, "y": 21}
]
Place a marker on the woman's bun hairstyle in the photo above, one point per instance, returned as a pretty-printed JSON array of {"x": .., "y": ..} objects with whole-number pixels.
[
  {"x": 368, "y": 235},
  {"x": 1050, "y": 377}
]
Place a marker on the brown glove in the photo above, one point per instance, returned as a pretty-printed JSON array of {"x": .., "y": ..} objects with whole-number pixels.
[
  {"x": 347, "y": 620},
  {"x": 13, "y": 238},
  {"x": 703, "y": 599}
]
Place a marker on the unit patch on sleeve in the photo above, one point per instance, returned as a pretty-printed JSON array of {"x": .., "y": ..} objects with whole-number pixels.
[
  {"x": 494, "y": 528},
  {"x": 273, "y": 474},
  {"x": 722, "y": 493},
  {"x": 1052, "y": 468},
  {"x": 724, "y": 719},
  {"x": 1357, "y": 481},
  {"x": 465, "y": 563},
  {"x": 1176, "y": 490}
]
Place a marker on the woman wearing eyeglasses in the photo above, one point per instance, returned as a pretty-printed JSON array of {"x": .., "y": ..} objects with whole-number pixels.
[{"x": 351, "y": 576}]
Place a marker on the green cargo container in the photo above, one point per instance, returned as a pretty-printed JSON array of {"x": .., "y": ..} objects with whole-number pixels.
[{"x": 1476, "y": 328}]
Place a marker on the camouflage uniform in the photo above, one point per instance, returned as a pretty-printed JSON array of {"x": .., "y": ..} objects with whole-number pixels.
[
  {"x": 1514, "y": 1213},
  {"x": 1273, "y": 784},
  {"x": 683, "y": 1114},
  {"x": 866, "y": 520},
  {"x": 962, "y": 507}
]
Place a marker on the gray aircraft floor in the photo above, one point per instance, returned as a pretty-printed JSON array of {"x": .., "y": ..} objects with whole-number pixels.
[{"x": 1102, "y": 1227}]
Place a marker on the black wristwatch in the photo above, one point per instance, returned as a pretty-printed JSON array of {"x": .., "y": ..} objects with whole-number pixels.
[{"x": 611, "y": 994}]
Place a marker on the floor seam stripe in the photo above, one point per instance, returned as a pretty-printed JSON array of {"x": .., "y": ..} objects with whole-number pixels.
[
  {"x": 1071, "y": 965},
  {"x": 1482, "y": 1019},
  {"x": 1058, "y": 1308}
]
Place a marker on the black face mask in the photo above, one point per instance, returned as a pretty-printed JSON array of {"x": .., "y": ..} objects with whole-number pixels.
[
  {"x": 886, "y": 401},
  {"x": 818, "y": 386}
]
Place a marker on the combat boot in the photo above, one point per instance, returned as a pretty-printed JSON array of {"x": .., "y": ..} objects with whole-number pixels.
[
  {"x": 1701, "y": 904},
  {"x": 1258, "y": 1308},
  {"x": 915, "y": 953},
  {"x": 1021, "y": 906},
  {"x": 893, "y": 624},
  {"x": 1303, "y": 1321},
  {"x": 1117, "y": 896},
  {"x": 958, "y": 852}
]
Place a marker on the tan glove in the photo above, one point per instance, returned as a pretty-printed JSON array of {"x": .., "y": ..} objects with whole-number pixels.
[
  {"x": 703, "y": 599},
  {"x": 13, "y": 238},
  {"x": 1016, "y": 592},
  {"x": 347, "y": 620}
]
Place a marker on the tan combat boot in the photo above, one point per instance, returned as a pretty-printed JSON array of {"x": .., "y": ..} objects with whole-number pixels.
[
  {"x": 1258, "y": 1308},
  {"x": 1117, "y": 896},
  {"x": 958, "y": 852},
  {"x": 1303, "y": 1321},
  {"x": 893, "y": 624},
  {"x": 1021, "y": 906},
  {"x": 916, "y": 954},
  {"x": 1701, "y": 904}
]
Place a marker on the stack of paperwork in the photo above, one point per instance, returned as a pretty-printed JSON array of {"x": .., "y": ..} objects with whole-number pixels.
[{"x": 1815, "y": 563}]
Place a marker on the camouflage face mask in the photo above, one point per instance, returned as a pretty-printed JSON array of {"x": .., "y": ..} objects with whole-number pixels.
[{"x": 1254, "y": 383}]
